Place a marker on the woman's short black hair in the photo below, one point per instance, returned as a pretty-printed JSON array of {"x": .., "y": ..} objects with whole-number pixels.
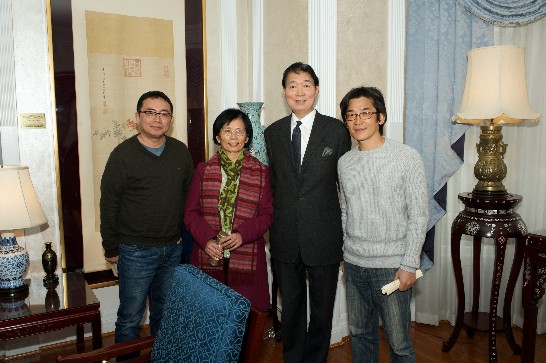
[{"x": 225, "y": 118}]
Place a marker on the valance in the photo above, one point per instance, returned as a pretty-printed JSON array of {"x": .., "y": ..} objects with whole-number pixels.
[{"x": 506, "y": 13}]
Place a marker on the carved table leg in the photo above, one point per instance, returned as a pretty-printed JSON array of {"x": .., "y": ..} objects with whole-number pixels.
[
  {"x": 500, "y": 249},
  {"x": 96, "y": 331},
  {"x": 533, "y": 290},
  {"x": 476, "y": 271},
  {"x": 507, "y": 311},
  {"x": 456, "y": 258},
  {"x": 529, "y": 332},
  {"x": 80, "y": 343}
]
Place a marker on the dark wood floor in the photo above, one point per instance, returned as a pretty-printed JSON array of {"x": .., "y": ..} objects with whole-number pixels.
[{"x": 427, "y": 341}]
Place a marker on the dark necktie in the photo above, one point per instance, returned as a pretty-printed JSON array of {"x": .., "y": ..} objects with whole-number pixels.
[{"x": 296, "y": 146}]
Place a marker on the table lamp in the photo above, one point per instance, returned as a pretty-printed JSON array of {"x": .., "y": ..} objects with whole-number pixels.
[
  {"x": 19, "y": 208},
  {"x": 495, "y": 93}
]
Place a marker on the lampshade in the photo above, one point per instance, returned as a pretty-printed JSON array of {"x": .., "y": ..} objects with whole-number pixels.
[
  {"x": 19, "y": 206},
  {"x": 495, "y": 87}
]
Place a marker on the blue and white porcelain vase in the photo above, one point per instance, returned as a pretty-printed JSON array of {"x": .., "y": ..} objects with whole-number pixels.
[
  {"x": 14, "y": 309},
  {"x": 13, "y": 262},
  {"x": 257, "y": 146}
]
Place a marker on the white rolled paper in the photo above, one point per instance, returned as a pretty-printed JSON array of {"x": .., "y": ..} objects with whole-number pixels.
[
  {"x": 115, "y": 269},
  {"x": 393, "y": 286}
]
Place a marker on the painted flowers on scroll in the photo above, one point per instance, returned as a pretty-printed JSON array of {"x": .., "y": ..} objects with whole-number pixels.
[{"x": 119, "y": 130}]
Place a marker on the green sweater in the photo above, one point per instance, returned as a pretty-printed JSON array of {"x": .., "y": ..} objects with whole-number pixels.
[{"x": 143, "y": 195}]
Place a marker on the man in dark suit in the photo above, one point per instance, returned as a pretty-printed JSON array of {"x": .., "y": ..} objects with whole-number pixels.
[{"x": 306, "y": 235}]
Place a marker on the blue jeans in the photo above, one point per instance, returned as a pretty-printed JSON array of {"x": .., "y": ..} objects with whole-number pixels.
[
  {"x": 366, "y": 304},
  {"x": 143, "y": 272}
]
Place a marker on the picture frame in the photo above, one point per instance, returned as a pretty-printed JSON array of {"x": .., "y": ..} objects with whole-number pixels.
[{"x": 119, "y": 49}]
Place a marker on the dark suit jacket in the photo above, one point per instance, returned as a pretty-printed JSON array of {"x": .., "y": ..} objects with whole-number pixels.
[{"x": 307, "y": 214}]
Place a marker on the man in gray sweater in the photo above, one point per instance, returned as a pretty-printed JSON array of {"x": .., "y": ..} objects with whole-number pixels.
[{"x": 384, "y": 214}]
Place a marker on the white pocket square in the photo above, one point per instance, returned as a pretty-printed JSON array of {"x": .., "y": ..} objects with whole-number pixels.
[{"x": 327, "y": 151}]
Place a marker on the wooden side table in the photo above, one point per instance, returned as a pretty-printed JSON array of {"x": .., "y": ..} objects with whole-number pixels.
[
  {"x": 487, "y": 217},
  {"x": 534, "y": 277},
  {"x": 70, "y": 303}
]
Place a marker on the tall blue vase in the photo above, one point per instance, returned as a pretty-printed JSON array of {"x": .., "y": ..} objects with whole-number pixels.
[
  {"x": 257, "y": 146},
  {"x": 13, "y": 264}
]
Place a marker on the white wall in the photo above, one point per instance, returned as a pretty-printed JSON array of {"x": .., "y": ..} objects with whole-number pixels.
[{"x": 36, "y": 147}]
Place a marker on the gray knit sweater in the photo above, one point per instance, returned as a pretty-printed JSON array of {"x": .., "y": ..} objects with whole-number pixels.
[{"x": 384, "y": 206}]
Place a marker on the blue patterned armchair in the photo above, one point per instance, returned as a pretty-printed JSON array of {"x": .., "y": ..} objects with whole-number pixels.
[{"x": 204, "y": 321}]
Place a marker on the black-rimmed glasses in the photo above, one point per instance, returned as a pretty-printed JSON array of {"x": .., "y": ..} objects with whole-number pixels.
[
  {"x": 165, "y": 116},
  {"x": 364, "y": 115}
]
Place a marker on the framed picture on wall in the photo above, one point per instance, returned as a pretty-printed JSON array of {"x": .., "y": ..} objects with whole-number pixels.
[{"x": 120, "y": 50}]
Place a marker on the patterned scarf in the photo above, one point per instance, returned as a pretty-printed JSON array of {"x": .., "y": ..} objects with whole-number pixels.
[
  {"x": 228, "y": 194},
  {"x": 251, "y": 186}
]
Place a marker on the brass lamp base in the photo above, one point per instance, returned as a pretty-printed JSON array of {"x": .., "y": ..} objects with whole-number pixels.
[{"x": 490, "y": 169}]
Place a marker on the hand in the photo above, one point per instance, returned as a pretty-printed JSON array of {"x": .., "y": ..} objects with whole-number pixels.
[
  {"x": 232, "y": 242},
  {"x": 213, "y": 250},
  {"x": 112, "y": 260},
  {"x": 407, "y": 279}
]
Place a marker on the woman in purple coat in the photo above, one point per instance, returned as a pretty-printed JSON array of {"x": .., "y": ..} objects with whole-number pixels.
[{"x": 229, "y": 209}]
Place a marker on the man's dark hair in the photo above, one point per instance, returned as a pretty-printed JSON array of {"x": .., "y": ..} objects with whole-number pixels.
[
  {"x": 225, "y": 117},
  {"x": 298, "y": 68},
  {"x": 373, "y": 94},
  {"x": 153, "y": 94}
]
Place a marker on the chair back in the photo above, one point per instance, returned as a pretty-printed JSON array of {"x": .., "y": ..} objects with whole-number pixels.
[{"x": 203, "y": 320}]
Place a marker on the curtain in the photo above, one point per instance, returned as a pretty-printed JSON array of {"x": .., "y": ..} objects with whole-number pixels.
[
  {"x": 429, "y": 78},
  {"x": 506, "y": 12},
  {"x": 438, "y": 37}
]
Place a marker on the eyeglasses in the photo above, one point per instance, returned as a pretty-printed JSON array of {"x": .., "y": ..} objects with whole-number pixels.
[
  {"x": 364, "y": 115},
  {"x": 236, "y": 132},
  {"x": 164, "y": 116}
]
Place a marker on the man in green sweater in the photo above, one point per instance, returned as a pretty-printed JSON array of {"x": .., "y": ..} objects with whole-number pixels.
[
  {"x": 384, "y": 213},
  {"x": 143, "y": 191}
]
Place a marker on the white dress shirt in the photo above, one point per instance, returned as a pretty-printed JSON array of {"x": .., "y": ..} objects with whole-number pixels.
[{"x": 305, "y": 127}]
